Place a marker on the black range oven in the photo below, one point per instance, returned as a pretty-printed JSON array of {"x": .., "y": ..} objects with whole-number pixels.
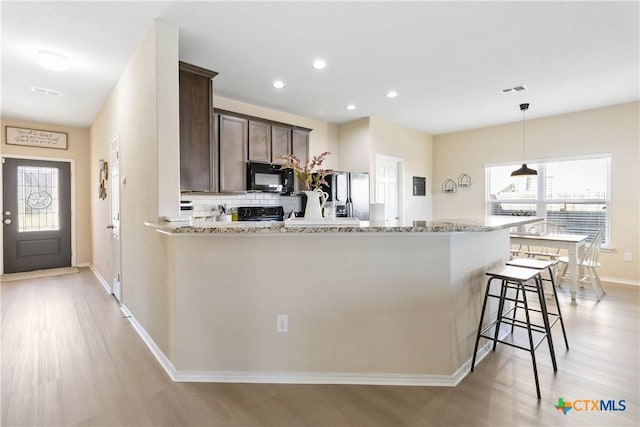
[
  {"x": 261, "y": 213},
  {"x": 269, "y": 178}
]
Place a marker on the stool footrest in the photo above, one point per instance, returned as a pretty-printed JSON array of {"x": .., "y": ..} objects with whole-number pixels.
[{"x": 535, "y": 345}]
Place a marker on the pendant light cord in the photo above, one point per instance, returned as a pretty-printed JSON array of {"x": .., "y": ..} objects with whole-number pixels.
[
  {"x": 524, "y": 108},
  {"x": 524, "y": 140}
]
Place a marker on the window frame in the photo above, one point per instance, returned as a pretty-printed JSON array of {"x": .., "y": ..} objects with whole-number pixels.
[{"x": 541, "y": 201}]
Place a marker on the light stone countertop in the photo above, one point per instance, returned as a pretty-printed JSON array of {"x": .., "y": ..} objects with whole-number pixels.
[{"x": 478, "y": 224}]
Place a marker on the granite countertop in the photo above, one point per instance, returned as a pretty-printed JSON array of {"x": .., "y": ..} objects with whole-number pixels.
[{"x": 479, "y": 224}]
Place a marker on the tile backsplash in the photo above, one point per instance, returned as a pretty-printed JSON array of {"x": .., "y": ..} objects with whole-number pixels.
[{"x": 205, "y": 204}]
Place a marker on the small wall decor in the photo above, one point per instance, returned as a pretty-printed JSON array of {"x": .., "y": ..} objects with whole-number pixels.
[
  {"x": 419, "y": 186},
  {"x": 104, "y": 176},
  {"x": 464, "y": 180},
  {"x": 449, "y": 186},
  {"x": 35, "y": 138}
]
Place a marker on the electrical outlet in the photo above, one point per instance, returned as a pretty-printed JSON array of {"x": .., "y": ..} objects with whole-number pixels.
[
  {"x": 628, "y": 257},
  {"x": 282, "y": 323}
]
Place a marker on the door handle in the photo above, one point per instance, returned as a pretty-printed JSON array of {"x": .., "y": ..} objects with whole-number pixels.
[
  {"x": 7, "y": 221},
  {"x": 110, "y": 226}
]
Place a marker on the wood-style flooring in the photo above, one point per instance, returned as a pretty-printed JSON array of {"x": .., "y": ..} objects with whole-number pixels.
[{"x": 69, "y": 357}]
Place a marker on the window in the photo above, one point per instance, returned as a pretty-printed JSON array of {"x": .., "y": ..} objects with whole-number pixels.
[
  {"x": 572, "y": 193},
  {"x": 37, "y": 199}
]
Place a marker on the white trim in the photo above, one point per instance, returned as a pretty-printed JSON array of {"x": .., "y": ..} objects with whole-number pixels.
[
  {"x": 260, "y": 377},
  {"x": 517, "y": 163},
  {"x": 347, "y": 378},
  {"x": 83, "y": 264},
  {"x": 620, "y": 281},
  {"x": 103, "y": 282},
  {"x": 72, "y": 171},
  {"x": 155, "y": 350}
]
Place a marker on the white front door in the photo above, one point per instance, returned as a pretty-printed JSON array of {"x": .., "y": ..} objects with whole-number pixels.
[
  {"x": 115, "y": 216},
  {"x": 388, "y": 188}
]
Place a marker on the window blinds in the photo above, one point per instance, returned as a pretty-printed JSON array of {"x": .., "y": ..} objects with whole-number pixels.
[{"x": 572, "y": 193}]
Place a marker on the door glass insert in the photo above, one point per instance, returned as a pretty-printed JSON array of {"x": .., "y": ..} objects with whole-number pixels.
[{"x": 38, "y": 199}]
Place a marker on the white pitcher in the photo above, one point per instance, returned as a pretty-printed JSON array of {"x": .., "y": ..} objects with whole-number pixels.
[{"x": 315, "y": 202}]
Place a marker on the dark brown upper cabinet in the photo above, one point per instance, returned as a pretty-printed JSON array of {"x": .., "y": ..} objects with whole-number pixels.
[
  {"x": 198, "y": 154},
  {"x": 259, "y": 141},
  {"x": 300, "y": 149},
  {"x": 233, "y": 137},
  {"x": 280, "y": 142},
  {"x": 241, "y": 138}
]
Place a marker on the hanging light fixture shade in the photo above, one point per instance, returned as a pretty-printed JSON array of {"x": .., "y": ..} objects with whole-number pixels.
[{"x": 524, "y": 170}]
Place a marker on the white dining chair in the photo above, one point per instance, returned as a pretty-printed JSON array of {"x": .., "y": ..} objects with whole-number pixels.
[
  {"x": 543, "y": 228},
  {"x": 589, "y": 264}
]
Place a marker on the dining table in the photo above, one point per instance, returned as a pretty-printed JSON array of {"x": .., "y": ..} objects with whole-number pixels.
[{"x": 572, "y": 243}]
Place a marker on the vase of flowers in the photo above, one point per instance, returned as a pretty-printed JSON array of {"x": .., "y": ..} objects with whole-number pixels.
[{"x": 311, "y": 176}]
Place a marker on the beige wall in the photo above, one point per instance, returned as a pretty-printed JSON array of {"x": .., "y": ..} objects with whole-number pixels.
[
  {"x": 361, "y": 140},
  {"x": 78, "y": 150},
  {"x": 354, "y": 146},
  {"x": 323, "y": 138},
  {"x": 362, "y": 319},
  {"x": 604, "y": 130},
  {"x": 416, "y": 149},
  {"x": 132, "y": 112}
]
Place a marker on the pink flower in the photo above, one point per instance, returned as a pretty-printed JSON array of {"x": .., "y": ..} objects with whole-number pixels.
[{"x": 311, "y": 175}]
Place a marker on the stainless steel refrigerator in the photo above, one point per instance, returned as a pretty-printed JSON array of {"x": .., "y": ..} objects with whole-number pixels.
[
  {"x": 359, "y": 195},
  {"x": 350, "y": 192}
]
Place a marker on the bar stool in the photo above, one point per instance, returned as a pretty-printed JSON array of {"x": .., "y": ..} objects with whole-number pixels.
[
  {"x": 523, "y": 280},
  {"x": 538, "y": 264}
]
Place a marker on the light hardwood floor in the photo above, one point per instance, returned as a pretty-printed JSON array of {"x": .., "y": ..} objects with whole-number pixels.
[{"x": 70, "y": 358}]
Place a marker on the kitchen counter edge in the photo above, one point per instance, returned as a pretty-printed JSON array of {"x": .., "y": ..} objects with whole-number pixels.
[{"x": 480, "y": 224}]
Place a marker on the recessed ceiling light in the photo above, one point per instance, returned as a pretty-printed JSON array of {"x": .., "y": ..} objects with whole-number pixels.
[
  {"x": 279, "y": 84},
  {"x": 392, "y": 94},
  {"x": 43, "y": 91},
  {"x": 52, "y": 60},
  {"x": 350, "y": 107},
  {"x": 319, "y": 64}
]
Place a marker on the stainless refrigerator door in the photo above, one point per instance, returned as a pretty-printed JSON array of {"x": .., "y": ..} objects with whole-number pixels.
[{"x": 359, "y": 194}]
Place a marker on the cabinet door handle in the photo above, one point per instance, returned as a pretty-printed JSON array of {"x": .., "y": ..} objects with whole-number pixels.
[{"x": 110, "y": 226}]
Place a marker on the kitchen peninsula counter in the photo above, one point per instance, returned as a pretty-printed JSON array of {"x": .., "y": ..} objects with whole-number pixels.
[
  {"x": 365, "y": 305},
  {"x": 488, "y": 223}
]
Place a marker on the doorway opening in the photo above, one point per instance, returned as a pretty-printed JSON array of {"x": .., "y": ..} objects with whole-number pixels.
[{"x": 388, "y": 188}]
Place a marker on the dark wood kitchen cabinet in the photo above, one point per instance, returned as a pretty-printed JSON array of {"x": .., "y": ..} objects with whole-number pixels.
[
  {"x": 233, "y": 137},
  {"x": 280, "y": 142},
  {"x": 197, "y": 150},
  {"x": 300, "y": 149},
  {"x": 259, "y": 141}
]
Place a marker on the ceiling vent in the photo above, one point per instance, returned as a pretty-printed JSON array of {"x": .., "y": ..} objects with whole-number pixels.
[{"x": 514, "y": 90}]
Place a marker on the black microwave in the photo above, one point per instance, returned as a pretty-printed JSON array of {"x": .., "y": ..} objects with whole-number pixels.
[{"x": 269, "y": 178}]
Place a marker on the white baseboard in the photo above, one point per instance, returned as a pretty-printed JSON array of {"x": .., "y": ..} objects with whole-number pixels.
[
  {"x": 331, "y": 377},
  {"x": 620, "y": 281},
  {"x": 83, "y": 264},
  {"x": 155, "y": 350},
  {"x": 294, "y": 377},
  {"x": 101, "y": 279},
  {"x": 301, "y": 377}
]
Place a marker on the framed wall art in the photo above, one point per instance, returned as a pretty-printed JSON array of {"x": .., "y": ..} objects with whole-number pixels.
[{"x": 36, "y": 138}]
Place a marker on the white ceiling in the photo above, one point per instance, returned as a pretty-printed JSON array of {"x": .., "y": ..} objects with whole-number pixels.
[{"x": 447, "y": 60}]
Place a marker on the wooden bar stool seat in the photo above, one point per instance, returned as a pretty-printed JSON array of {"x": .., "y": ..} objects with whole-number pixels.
[{"x": 538, "y": 264}]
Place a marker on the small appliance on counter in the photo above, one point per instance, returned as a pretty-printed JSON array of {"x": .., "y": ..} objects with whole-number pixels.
[{"x": 260, "y": 213}]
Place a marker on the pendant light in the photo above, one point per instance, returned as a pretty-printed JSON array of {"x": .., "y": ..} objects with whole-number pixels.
[{"x": 524, "y": 170}]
